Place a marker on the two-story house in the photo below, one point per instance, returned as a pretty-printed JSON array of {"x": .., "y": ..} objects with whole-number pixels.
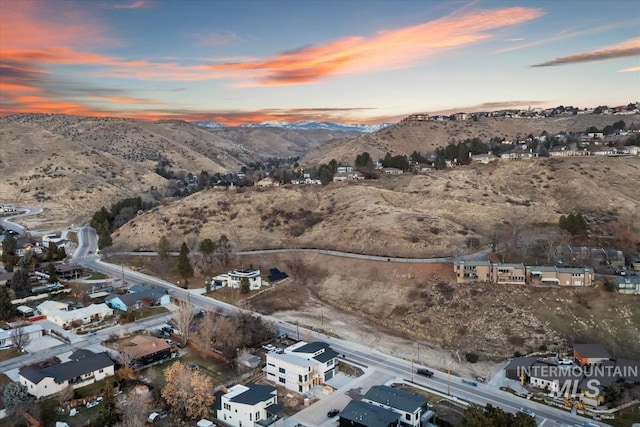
[
  {"x": 250, "y": 405},
  {"x": 302, "y": 365},
  {"x": 233, "y": 279},
  {"x": 409, "y": 406},
  {"x": 83, "y": 368},
  {"x": 361, "y": 414}
]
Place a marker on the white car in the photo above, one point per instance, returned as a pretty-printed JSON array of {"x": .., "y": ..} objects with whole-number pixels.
[{"x": 528, "y": 412}]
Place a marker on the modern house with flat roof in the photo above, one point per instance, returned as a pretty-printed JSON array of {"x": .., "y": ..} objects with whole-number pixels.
[{"x": 233, "y": 279}]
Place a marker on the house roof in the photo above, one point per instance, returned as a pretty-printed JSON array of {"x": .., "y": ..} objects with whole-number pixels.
[
  {"x": 254, "y": 393},
  {"x": 131, "y": 299},
  {"x": 52, "y": 305},
  {"x": 473, "y": 263},
  {"x": 596, "y": 351},
  {"x": 292, "y": 358},
  {"x": 395, "y": 398},
  {"x": 368, "y": 415},
  {"x": 145, "y": 345},
  {"x": 315, "y": 347},
  {"x": 65, "y": 371},
  {"x": 520, "y": 362},
  {"x": 81, "y": 312}
]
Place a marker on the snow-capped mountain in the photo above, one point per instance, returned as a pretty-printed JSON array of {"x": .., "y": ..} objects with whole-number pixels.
[
  {"x": 210, "y": 124},
  {"x": 310, "y": 125}
]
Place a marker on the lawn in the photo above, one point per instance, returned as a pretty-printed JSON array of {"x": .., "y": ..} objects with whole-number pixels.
[
  {"x": 97, "y": 276},
  {"x": 10, "y": 354},
  {"x": 144, "y": 313}
]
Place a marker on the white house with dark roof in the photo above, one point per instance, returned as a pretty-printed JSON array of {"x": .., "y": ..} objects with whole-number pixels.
[
  {"x": 84, "y": 368},
  {"x": 250, "y": 405},
  {"x": 302, "y": 366},
  {"x": 410, "y": 406}
]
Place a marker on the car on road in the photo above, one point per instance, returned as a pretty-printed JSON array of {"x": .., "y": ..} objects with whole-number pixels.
[
  {"x": 425, "y": 372},
  {"x": 528, "y": 411},
  {"x": 270, "y": 347},
  {"x": 332, "y": 413},
  {"x": 193, "y": 367}
]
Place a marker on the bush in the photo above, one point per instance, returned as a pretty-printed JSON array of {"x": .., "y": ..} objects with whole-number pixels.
[
  {"x": 472, "y": 357},
  {"x": 609, "y": 286}
]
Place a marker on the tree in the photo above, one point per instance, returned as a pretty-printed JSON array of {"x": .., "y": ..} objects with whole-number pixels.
[
  {"x": 163, "y": 249},
  {"x": 21, "y": 282},
  {"x": 51, "y": 272},
  {"x": 184, "y": 265},
  {"x": 325, "y": 173},
  {"x": 108, "y": 413},
  {"x": 9, "y": 245},
  {"x": 6, "y": 309},
  {"x": 20, "y": 337},
  {"x": 52, "y": 252},
  {"x": 183, "y": 317},
  {"x": 189, "y": 393},
  {"x": 207, "y": 331},
  {"x": 16, "y": 396},
  {"x": 364, "y": 162},
  {"x": 227, "y": 336},
  {"x": 136, "y": 412},
  {"x": 65, "y": 395},
  {"x": 245, "y": 286},
  {"x": 477, "y": 416}
]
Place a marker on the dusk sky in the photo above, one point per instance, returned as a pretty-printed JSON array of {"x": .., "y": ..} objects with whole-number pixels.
[{"x": 346, "y": 61}]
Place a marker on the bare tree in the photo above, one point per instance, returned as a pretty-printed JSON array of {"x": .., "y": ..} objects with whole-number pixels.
[
  {"x": 136, "y": 412},
  {"x": 184, "y": 318},
  {"x": 228, "y": 337},
  {"x": 65, "y": 395},
  {"x": 207, "y": 330},
  {"x": 20, "y": 337}
]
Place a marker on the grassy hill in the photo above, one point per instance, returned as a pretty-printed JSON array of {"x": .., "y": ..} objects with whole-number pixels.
[{"x": 426, "y": 136}]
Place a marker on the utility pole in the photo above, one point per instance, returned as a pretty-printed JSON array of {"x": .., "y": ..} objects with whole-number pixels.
[
  {"x": 322, "y": 317},
  {"x": 298, "y": 330},
  {"x": 449, "y": 379},
  {"x": 412, "y": 371}
]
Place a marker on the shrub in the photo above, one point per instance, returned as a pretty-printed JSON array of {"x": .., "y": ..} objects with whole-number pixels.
[{"x": 472, "y": 357}]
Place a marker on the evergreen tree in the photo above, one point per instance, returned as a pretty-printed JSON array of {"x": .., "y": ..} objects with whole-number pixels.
[
  {"x": 51, "y": 271},
  {"x": 6, "y": 309},
  {"x": 163, "y": 248},
  {"x": 245, "y": 286},
  {"x": 185, "y": 270},
  {"x": 108, "y": 414},
  {"x": 9, "y": 245}
]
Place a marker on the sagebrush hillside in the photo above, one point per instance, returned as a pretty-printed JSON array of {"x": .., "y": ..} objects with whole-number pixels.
[
  {"x": 426, "y": 136},
  {"x": 431, "y": 214}
]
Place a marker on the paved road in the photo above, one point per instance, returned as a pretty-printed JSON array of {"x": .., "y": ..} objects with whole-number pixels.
[
  {"x": 370, "y": 357},
  {"x": 8, "y": 224},
  {"x": 482, "y": 254}
]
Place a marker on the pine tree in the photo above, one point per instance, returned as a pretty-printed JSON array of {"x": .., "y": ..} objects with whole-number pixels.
[
  {"x": 6, "y": 309},
  {"x": 184, "y": 267}
]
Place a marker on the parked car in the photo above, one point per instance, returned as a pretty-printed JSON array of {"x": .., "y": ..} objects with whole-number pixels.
[
  {"x": 425, "y": 372},
  {"x": 528, "y": 412},
  {"x": 332, "y": 413},
  {"x": 193, "y": 366}
]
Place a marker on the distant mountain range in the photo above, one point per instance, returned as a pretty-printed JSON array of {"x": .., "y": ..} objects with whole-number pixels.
[{"x": 305, "y": 125}]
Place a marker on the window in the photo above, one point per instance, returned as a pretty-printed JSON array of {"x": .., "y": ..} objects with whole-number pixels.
[
  {"x": 257, "y": 416},
  {"x": 282, "y": 380},
  {"x": 101, "y": 371},
  {"x": 272, "y": 374},
  {"x": 330, "y": 362},
  {"x": 300, "y": 378},
  {"x": 250, "y": 416},
  {"x": 282, "y": 370},
  {"x": 407, "y": 417},
  {"x": 300, "y": 388},
  {"x": 271, "y": 364}
]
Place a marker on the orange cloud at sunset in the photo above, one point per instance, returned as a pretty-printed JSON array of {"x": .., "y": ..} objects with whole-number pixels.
[
  {"x": 390, "y": 49},
  {"x": 626, "y": 49}
]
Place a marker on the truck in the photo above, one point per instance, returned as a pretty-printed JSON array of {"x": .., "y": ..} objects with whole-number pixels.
[{"x": 425, "y": 372}]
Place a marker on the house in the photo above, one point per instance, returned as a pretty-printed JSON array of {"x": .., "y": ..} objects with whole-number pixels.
[
  {"x": 91, "y": 313},
  {"x": 348, "y": 176},
  {"x": 7, "y": 335},
  {"x": 141, "y": 296},
  {"x": 302, "y": 366},
  {"x": 67, "y": 272},
  {"x": 590, "y": 354},
  {"x": 517, "y": 366},
  {"x": 250, "y": 405},
  {"x": 146, "y": 350},
  {"x": 484, "y": 158},
  {"x": 325, "y": 357},
  {"x": 409, "y": 406},
  {"x": 83, "y": 368},
  {"x": 473, "y": 271},
  {"x": 635, "y": 265},
  {"x": 561, "y": 276},
  {"x": 344, "y": 169},
  {"x": 627, "y": 285},
  {"x": 234, "y": 278},
  {"x": 361, "y": 414},
  {"x": 460, "y": 116},
  {"x": 268, "y": 182},
  {"x": 45, "y": 307},
  {"x": 53, "y": 238},
  {"x": 509, "y": 274},
  {"x": 392, "y": 171}
]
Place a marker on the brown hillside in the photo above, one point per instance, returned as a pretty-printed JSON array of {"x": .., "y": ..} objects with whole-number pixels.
[
  {"x": 410, "y": 215},
  {"x": 407, "y": 137}
]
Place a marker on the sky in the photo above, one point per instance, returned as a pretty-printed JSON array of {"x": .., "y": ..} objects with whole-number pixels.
[{"x": 353, "y": 61}]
